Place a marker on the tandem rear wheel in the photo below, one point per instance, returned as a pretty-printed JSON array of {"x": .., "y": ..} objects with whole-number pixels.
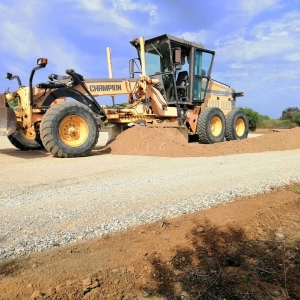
[
  {"x": 237, "y": 125},
  {"x": 214, "y": 127},
  {"x": 69, "y": 129},
  {"x": 211, "y": 126}
]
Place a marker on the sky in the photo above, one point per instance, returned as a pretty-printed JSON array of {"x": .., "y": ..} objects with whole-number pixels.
[{"x": 257, "y": 42}]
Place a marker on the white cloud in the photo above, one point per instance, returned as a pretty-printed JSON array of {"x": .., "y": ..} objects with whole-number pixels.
[
  {"x": 115, "y": 13},
  {"x": 129, "y": 5},
  {"x": 244, "y": 11},
  {"x": 197, "y": 36},
  {"x": 22, "y": 39},
  {"x": 293, "y": 57},
  {"x": 31, "y": 7},
  {"x": 100, "y": 13},
  {"x": 267, "y": 39},
  {"x": 255, "y": 7},
  {"x": 293, "y": 87},
  {"x": 237, "y": 66},
  {"x": 234, "y": 74}
]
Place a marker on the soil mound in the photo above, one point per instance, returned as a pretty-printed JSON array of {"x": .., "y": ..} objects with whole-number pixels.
[{"x": 169, "y": 142}]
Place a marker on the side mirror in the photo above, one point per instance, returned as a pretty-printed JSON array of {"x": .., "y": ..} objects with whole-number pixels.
[
  {"x": 8, "y": 76},
  {"x": 177, "y": 58},
  {"x": 42, "y": 62},
  {"x": 131, "y": 68}
]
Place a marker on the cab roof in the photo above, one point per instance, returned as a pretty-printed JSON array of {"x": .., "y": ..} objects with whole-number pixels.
[{"x": 165, "y": 37}]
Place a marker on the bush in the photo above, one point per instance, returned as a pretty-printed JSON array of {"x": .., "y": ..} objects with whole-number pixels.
[
  {"x": 296, "y": 118},
  {"x": 262, "y": 118},
  {"x": 289, "y": 113},
  {"x": 279, "y": 124},
  {"x": 290, "y": 118}
]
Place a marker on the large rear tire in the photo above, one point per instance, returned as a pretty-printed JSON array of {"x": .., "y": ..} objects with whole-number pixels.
[
  {"x": 24, "y": 143},
  {"x": 211, "y": 126},
  {"x": 69, "y": 129},
  {"x": 237, "y": 125}
]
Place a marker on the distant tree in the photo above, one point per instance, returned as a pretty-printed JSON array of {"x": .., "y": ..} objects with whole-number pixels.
[
  {"x": 263, "y": 117},
  {"x": 296, "y": 118},
  {"x": 252, "y": 116},
  {"x": 289, "y": 113}
]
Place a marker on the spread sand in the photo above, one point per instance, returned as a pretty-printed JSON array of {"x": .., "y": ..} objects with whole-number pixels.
[{"x": 169, "y": 142}]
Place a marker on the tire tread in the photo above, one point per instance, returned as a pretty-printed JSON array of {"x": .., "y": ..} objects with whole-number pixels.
[
  {"x": 47, "y": 130},
  {"x": 202, "y": 124}
]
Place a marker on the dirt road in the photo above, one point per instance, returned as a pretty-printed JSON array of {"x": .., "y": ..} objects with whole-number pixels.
[{"x": 48, "y": 202}]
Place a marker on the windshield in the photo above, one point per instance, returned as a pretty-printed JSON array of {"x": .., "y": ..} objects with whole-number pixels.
[
  {"x": 158, "y": 59},
  {"x": 152, "y": 63},
  {"x": 203, "y": 62}
]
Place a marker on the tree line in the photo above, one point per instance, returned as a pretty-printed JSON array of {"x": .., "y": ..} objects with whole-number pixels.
[{"x": 290, "y": 118}]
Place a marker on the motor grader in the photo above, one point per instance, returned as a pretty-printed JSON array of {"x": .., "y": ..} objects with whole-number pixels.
[{"x": 172, "y": 88}]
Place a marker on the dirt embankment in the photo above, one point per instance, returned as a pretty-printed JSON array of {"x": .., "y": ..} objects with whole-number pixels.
[{"x": 170, "y": 142}]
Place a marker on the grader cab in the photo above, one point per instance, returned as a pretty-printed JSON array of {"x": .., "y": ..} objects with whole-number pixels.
[{"x": 173, "y": 89}]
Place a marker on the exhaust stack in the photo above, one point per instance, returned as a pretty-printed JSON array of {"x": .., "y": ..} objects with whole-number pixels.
[{"x": 110, "y": 71}]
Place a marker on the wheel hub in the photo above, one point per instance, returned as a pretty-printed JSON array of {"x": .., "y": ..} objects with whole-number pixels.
[
  {"x": 216, "y": 126},
  {"x": 240, "y": 127},
  {"x": 73, "y": 131}
]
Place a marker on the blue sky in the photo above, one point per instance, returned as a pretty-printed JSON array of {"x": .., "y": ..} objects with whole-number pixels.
[{"x": 257, "y": 42}]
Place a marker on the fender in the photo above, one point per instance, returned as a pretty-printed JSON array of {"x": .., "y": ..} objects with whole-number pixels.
[{"x": 65, "y": 93}]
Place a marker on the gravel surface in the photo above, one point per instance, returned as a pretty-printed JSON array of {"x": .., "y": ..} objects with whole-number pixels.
[{"x": 47, "y": 202}]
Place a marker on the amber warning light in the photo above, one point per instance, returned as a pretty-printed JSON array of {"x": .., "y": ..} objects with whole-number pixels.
[{"x": 42, "y": 61}]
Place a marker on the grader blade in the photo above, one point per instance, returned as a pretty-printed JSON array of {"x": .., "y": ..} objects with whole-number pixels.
[
  {"x": 112, "y": 131},
  {"x": 182, "y": 129},
  {"x": 8, "y": 120}
]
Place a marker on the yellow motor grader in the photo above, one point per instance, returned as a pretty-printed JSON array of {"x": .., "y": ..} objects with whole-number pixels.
[{"x": 173, "y": 88}]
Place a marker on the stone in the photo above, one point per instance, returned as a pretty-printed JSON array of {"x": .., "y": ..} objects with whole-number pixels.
[
  {"x": 200, "y": 229},
  {"x": 95, "y": 284},
  {"x": 87, "y": 281},
  {"x": 279, "y": 235},
  {"x": 36, "y": 295},
  {"x": 51, "y": 291}
]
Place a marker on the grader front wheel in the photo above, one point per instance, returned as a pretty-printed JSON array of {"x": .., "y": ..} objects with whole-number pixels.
[{"x": 69, "y": 129}]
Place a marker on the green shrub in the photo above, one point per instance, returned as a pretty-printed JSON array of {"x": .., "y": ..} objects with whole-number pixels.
[
  {"x": 296, "y": 118},
  {"x": 273, "y": 123},
  {"x": 263, "y": 118},
  {"x": 289, "y": 113},
  {"x": 290, "y": 118}
]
